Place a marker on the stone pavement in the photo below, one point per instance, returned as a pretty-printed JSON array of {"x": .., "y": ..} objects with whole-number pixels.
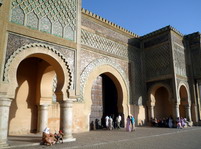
[{"x": 142, "y": 138}]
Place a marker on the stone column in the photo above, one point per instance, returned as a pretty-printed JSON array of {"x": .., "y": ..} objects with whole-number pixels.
[
  {"x": 175, "y": 112},
  {"x": 4, "y": 116},
  {"x": 151, "y": 112},
  {"x": 66, "y": 116},
  {"x": 188, "y": 113},
  {"x": 194, "y": 114},
  {"x": 198, "y": 89},
  {"x": 42, "y": 117}
]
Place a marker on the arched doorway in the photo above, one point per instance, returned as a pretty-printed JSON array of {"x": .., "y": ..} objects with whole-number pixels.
[
  {"x": 163, "y": 107},
  {"x": 116, "y": 74},
  {"x": 110, "y": 97},
  {"x": 183, "y": 101},
  {"x": 159, "y": 103},
  {"x": 104, "y": 96},
  {"x": 36, "y": 87}
]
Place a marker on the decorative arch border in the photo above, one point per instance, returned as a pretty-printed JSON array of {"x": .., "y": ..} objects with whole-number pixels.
[
  {"x": 25, "y": 48},
  {"x": 185, "y": 84},
  {"x": 153, "y": 88},
  {"x": 98, "y": 62}
]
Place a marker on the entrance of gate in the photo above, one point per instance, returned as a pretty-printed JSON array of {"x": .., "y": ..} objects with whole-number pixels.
[
  {"x": 160, "y": 104},
  {"x": 105, "y": 100},
  {"x": 163, "y": 107},
  {"x": 184, "y": 104}
]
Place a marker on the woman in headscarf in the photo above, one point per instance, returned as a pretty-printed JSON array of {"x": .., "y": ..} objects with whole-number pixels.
[
  {"x": 128, "y": 122},
  {"x": 48, "y": 138}
]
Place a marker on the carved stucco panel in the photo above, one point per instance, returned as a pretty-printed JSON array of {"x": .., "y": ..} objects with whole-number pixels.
[
  {"x": 158, "y": 61},
  {"x": 16, "y": 42},
  {"x": 91, "y": 66},
  {"x": 180, "y": 60}
]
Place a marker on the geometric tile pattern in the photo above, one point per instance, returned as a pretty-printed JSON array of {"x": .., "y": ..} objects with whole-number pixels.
[
  {"x": 157, "y": 61},
  {"x": 32, "y": 20},
  {"x": 179, "y": 60},
  {"x": 103, "y": 44},
  {"x": 196, "y": 61},
  {"x": 136, "y": 78},
  {"x": 54, "y": 86},
  {"x": 46, "y": 14}
]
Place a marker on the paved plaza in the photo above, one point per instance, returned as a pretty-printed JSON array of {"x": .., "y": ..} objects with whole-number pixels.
[{"x": 142, "y": 138}]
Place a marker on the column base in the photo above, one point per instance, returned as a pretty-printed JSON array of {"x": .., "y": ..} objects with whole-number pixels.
[
  {"x": 69, "y": 139},
  {"x": 190, "y": 123},
  {"x": 4, "y": 145}
]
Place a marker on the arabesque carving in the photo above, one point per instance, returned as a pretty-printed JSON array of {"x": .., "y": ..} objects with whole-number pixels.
[
  {"x": 26, "y": 47},
  {"x": 94, "y": 64}
]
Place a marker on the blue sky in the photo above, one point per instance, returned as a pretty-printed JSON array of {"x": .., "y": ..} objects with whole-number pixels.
[{"x": 144, "y": 16}]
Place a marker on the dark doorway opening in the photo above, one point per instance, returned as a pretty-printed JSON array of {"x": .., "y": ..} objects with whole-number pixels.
[
  {"x": 104, "y": 97},
  {"x": 109, "y": 97}
]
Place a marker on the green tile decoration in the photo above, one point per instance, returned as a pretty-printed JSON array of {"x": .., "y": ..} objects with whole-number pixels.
[{"x": 43, "y": 15}]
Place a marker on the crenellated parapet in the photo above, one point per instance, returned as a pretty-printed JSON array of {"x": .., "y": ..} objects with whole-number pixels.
[{"x": 97, "y": 17}]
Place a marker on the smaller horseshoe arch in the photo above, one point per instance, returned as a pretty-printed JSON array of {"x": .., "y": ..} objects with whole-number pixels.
[
  {"x": 184, "y": 100},
  {"x": 160, "y": 101}
]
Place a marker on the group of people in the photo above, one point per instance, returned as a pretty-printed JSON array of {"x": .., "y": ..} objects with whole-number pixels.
[
  {"x": 130, "y": 123},
  {"x": 169, "y": 122},
  {"x": 163, "y": 122},
  {"x": 110, "y": 125},
  {"x": 182, "y": 123}
]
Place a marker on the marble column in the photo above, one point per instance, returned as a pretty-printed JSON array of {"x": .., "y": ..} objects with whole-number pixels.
[
  {"x": 188, "y": 113},
  {"x": 177, "y": 113},
  {"x": 4, "y": 116},
  {"x": 151, "y": 112},
  {"x": 66, "y": 113},
  {"x": 194, "y": 113},
  {"x": 42, "y": 117}
]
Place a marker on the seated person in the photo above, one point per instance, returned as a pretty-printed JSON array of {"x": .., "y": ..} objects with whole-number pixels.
[
  {"x": 59, "y": 136},
  {"x": 48, "y": 138},
  {"x": 179, "y": 123}
]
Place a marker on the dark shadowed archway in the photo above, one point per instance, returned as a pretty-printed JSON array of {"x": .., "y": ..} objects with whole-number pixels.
[{"x": 106, "y": 100}]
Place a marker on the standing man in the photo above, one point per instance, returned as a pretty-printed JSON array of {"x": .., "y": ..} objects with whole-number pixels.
[
  {"x": 110, "y": 123},
  {"x": 132, "y": 123},
  {"x": 118, "y": 121},
  {"x": 107, "y": 122}
]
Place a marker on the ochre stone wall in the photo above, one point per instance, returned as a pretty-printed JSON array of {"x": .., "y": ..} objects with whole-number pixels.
[
  {"x": 80, "y": 118},
  {"x": 23, "y": 111},
  {"x": 54, "y": 117}
]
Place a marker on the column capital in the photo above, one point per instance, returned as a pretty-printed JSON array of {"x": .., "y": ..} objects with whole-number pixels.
[
  {"x": 5, "y": 102},
  {"x": 43, "y": 106},
  {"x": 67, "y": 103}
]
